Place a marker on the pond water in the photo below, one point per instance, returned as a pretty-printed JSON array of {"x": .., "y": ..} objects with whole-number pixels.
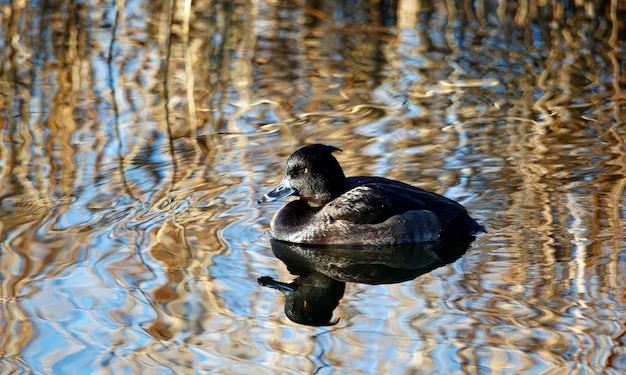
[{"x": 136, "y": 136}]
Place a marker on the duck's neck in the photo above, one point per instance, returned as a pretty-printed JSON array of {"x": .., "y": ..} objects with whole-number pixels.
[{"x": 295, "y": 214}]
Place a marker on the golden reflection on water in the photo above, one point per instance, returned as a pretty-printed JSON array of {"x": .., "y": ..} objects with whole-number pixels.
[{"x": 136, "y": 137}]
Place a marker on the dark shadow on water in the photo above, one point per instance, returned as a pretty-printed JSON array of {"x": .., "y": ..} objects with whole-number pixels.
[{"x": 323, "y": 272}]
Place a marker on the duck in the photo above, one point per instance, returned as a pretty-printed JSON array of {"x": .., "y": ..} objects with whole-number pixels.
[{"x": 332, "y": 209}]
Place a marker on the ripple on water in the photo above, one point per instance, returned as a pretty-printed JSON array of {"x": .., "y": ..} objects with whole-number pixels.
[{"x": 131, "y": 241}]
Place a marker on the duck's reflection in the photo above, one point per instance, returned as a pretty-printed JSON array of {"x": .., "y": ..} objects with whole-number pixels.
[{"x": 323, "y": 272}]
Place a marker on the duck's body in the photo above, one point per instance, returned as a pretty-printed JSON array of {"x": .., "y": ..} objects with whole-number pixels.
[{"x": 362, "y": 210}]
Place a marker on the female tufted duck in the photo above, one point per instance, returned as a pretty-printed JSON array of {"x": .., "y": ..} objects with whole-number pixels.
[{"x": 333, "y": 209}]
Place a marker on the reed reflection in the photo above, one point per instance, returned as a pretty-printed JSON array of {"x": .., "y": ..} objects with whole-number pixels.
[{"x": 323, "y": 271}]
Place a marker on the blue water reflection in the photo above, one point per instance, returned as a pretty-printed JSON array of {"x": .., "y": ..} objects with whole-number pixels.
[{"x": 135, "y": 137}]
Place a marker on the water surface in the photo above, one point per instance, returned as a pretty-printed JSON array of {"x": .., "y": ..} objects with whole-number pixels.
[{"x": 136, "y": 137}]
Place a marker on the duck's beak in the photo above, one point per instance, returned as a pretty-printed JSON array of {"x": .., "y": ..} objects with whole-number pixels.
[
  {"x": 283, "y": 287},
  {"x": 281, "y": 191}
]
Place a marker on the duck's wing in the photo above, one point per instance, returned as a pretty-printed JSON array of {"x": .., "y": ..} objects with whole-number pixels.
[{"x": 370, "y": 200}]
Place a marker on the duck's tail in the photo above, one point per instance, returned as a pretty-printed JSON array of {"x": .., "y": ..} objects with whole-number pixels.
[{"x": 461, "y": 225}]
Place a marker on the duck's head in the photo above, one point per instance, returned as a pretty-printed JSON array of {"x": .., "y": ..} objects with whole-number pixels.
[{"x": 313, "y": 174}]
